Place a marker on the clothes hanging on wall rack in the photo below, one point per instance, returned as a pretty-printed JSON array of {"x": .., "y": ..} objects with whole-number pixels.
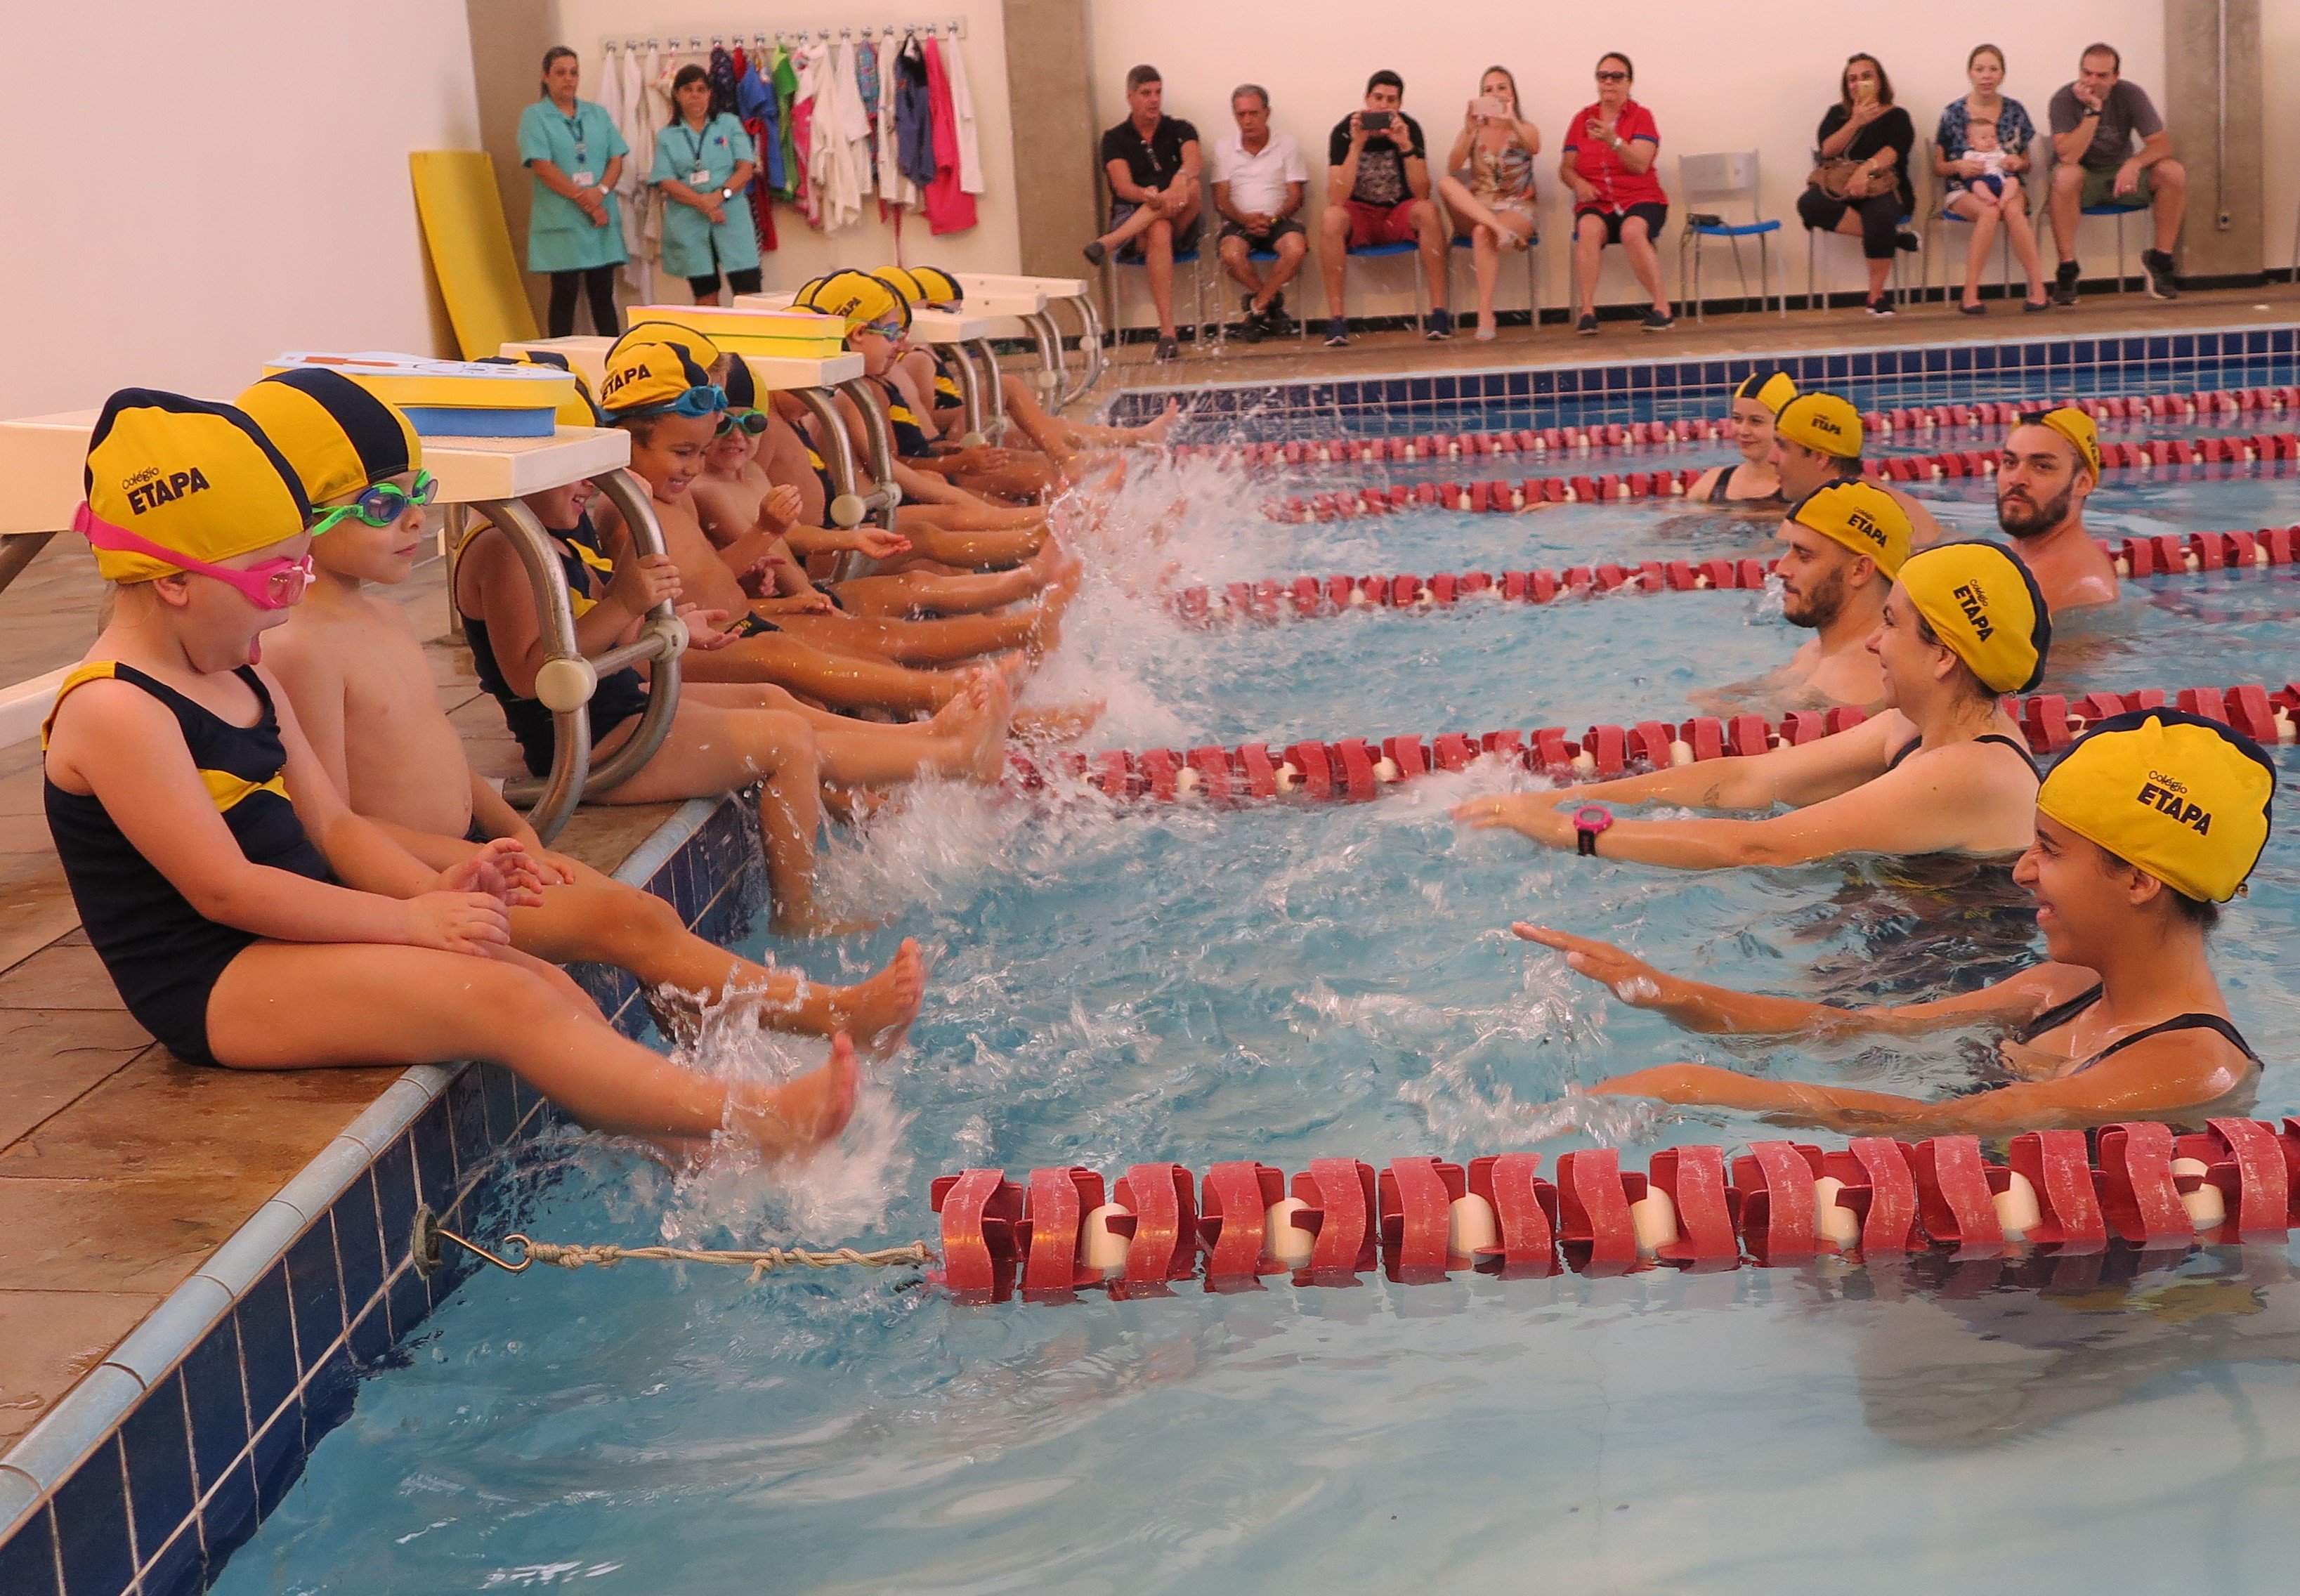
[
  {"x": 914, "y": 114},
  {"x": 624, "y": 78},
  {"x": 721, "y": 75},
  {"x": 950, "y": 208},
  {"x": 961, "y": 104},
  {"x": 759, "y": 191},
  {"x": 896, "y": 189}
]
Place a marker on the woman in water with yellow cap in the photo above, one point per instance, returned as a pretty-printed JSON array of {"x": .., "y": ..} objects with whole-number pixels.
[
  {"x": 1751, "y": 482},
  {"x": 1942, "y": 770},
  {"x": 248, "y": 917},
  {"x": 2146, "y": 824}
]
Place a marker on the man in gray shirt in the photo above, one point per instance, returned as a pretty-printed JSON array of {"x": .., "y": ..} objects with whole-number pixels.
[{"x": 2093, "y": 122}]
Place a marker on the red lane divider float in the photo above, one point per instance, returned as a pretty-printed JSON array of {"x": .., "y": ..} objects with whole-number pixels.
[
  {"x": 2218, "y": 405},
  {"x": 1356, "y": 769},
  {"x": 2165, "y": 554},
  {"x": 1500, "y": 496},
  {"x": 2154, "y": 1188}
]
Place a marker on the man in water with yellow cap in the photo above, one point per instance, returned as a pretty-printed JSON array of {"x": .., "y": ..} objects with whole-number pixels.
[
  {"x": 1841, "y": 548},
  {"x": 1943, "y": 770},
  {"x": 1817, "y": 438},
  {"x": 2149, "y": 823},
  {"x": 2050, "y": 465}
]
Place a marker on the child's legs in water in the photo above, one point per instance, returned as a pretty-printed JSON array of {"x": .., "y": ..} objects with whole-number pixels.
[{"x": 318, "y": 1005}]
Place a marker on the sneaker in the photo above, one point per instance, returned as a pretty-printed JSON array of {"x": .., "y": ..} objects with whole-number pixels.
[
  {"x": 1882, "y": 305},
  {"x": 1250, "y": 326},
  {"x": 2158, "y": 265},
  {"x": 1586, "y": 326},
  {"x": 1096, "y": 252},
  {"x": 1439, "y": 326},
  {"x": 2064, "y": 283},
  {"x": 1168, "y": 349},
  {"x": 1337, "y": 332},
  {"x": 1658, "y": 321},
  {"x": 1906, "y": 242}
]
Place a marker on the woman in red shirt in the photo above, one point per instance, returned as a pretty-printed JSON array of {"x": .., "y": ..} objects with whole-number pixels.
[{"x": 1610, "y": 149}]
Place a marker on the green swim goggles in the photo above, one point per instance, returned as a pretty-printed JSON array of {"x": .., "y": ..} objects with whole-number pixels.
[
  {"x": 753, "y": 421},
  {"x": 381, "y": 504}
]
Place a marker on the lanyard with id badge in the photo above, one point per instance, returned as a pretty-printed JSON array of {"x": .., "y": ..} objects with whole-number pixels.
[
  {"x": 582, "y": 176},
  {"x": 698, "y": 176}
]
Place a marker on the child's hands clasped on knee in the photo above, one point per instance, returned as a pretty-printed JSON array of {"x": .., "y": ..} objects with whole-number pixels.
[
  {"x": 642, "y": 584},
  {"x": 458, "y": 922}
]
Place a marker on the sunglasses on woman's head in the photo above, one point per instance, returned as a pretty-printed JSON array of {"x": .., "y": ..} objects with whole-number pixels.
[
  {"x": 381, "y": 504},
  {"x": 751, "y": 421}
]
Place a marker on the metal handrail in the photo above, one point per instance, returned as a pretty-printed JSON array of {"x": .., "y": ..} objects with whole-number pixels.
[
  {"x": 852, "y": 504},
  {"x": 971, "y": 389},
  {"x": 1089, "y": 345},
  {"x": 1054, "y": 375},
  {"x": 568, "y": 679}
]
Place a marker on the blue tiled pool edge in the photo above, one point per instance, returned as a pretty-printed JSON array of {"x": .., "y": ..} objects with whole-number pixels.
[
  {"x": 166, "y": 1457},
  {"x": 2123, "y": 362}
]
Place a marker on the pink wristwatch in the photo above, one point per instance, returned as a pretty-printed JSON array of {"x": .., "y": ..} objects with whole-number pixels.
[{"x": 1589, "y": 821}]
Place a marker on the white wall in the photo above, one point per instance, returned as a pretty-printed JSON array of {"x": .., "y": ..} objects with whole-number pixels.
[
  {"x": 804, "y": 250},
  {"x": 2279, "y": 69},
  {"x": 191, "y": 189},
  {"x": 1717, "y": 76}
]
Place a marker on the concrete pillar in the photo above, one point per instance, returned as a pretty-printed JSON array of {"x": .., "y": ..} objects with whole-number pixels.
[
  {"x": 508, "y": 40},
  {"x": 2210, "y": 100},
  {"x": 1058, "y": 204}
]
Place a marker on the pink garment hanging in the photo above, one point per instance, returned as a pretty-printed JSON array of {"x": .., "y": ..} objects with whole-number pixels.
[{"x": 950, "y": 208}]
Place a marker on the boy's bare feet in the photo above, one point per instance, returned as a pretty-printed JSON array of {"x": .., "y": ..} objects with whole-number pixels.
[
  {"x": 801, "y": 1115},
  {"x": 880, "y": 1009}
]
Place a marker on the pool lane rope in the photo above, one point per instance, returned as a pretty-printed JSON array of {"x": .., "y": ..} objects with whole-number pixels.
[
  {"x": 2143, "y": 1185},
  {"x": 1499, "y": 496},
  {"x": 2166, "y": 553},
  {"x": 1356, "y": 769},
  {"x": 585, "y": 1255}
]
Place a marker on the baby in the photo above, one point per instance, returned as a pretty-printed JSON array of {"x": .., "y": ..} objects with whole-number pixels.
[{"x": 1980, "y": 145}]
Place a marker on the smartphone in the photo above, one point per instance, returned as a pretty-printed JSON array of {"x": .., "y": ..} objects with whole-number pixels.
[
  {"x": 1489, "y": 106},
  {"x": 1373, "y": 121}
]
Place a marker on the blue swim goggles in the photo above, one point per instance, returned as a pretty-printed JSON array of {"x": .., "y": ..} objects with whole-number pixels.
[{"x": 707, "y": 400}]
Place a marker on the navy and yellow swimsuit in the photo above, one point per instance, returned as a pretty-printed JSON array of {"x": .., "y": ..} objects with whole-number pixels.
[
  {"x": 910, "y": 439},
  {"x": 163, "y": 955}
]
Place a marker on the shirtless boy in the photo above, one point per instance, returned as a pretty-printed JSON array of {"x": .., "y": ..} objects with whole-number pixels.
[
  {"x": 357, "y": 678},
  {"x": 2050, "y": 465}
]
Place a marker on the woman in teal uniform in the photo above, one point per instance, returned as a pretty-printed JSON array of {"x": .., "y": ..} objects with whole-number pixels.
[
  {"x": 575, "y": 232},
  {"x": 701, "y": 162}
]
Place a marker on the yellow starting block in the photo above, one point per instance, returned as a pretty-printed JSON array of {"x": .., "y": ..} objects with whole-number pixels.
[{"x": 588, "y": 357}]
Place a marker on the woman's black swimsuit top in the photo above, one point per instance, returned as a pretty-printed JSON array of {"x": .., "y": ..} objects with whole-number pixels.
[
  {"x": 2022, "y": 749},
  {"x": 162, "y": 954},
  {"x": 2060, "y": 1014},
  {"x": 619, "y": 695},
  {"x": 1723, "y": 493}
]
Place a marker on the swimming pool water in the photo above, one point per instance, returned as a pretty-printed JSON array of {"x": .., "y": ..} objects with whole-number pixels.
[{"x": 1284, "y": 982}]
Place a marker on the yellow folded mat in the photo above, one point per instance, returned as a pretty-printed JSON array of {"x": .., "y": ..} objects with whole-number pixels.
[{"x": 470, "y": 245}]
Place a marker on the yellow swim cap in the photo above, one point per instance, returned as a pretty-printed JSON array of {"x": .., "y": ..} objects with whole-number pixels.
[
  {"x": 2077, "y": 427},
  {"x": 1768, "y": 387},
  {"x": 1863, "y": 517},
  {"x": 923, "y": 285},
  {"x": 198, "y": 478},
  {"x": 340, "y": 439},
  {"x": 580, "y": 410},
  {"x": 643, "y": 376},
  {"x": 693, "y": 345},
  {"x": 1985, "y": 605},
  {"x": 2184, "y": 798},
  {"x": 1823, "y": 421},
  {"x": 856, "y": 295}
]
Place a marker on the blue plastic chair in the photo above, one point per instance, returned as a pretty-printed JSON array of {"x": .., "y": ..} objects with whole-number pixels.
[
  {"x": 1941, "y": 213},
  {"x": 1729, "y": 177},
  {"x": 1197, "y": 278},
  {"x": 1376, "y": 252}
]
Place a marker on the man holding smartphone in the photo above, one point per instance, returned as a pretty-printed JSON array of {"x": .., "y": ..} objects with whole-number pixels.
[{"x": 1378, "y": 191}]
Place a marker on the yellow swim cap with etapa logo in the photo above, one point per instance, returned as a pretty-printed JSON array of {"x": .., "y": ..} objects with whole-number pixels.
[
  {"x": 578, "y": 410},
  {"x": 693, "y": 345},
  {"x": 198, "y": 478},
  {"x": 642, "y": 376},
  {"x": 1863, "y": 517},
  {"x": 1826, "y": 422},
  {"x": 2184, "y": 798},
  {"x": 1983, "y": 603},
  {"x": 2077, "y": 427},
  {"x": 923, "y": 285},
  {"x": 1770, "y": 386},
  {"x": 340, "y": 439},
  {"x": 857, "y": 297}
]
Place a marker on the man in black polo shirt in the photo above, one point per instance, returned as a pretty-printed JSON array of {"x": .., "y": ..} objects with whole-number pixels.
[{"x": 1152, "y": 162}]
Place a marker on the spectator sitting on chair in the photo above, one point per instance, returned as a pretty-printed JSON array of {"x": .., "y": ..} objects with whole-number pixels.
[
  {"x": 1610, "y": 150},
  {"x": 1378, "y": 191},
  {"x": 1860, "y": 186},
  {"x": 1817, "y": 439},
  {"x": 1259, "y": 180},
  {"x": 1152, "y": 162},
  {"x": 1980, "y": 150},
  {"x": 2094, "y": 122},
  {"x": 2050, "y": 465},
  {"x": 1495, "y": 203}
]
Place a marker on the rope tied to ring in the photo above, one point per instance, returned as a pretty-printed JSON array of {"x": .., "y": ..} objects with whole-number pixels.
[{"x": 758, "y": 1262}]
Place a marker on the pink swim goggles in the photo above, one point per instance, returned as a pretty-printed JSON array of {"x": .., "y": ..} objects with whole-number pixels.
[{"x": 274, "y": 585}]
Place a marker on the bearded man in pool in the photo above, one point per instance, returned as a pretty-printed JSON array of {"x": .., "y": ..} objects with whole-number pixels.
[{"x": 2049, "y": 466}]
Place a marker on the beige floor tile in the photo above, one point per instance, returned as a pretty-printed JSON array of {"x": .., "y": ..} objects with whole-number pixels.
[{"x": 48, "y": 1339}]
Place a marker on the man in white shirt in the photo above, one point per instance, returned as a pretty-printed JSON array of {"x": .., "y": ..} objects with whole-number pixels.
[{"x": 1259, "y": 180}]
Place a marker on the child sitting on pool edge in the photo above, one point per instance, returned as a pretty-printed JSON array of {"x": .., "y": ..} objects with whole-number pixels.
[
  {"x": 248, "y": 918},
  {"x": 362, "y": 691}
]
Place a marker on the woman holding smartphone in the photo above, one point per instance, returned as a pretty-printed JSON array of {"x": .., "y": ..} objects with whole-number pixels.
[
  {"x": 1860, "y": 186},
  {"x": 1610, "y": 149},
  {"x": 1489, "y": 182}
]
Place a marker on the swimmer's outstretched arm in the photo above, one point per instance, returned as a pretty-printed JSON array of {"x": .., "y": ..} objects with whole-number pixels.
[
  {"x": 1722, "y": 1012},
  {"x": 2161, "y": 1076}
]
